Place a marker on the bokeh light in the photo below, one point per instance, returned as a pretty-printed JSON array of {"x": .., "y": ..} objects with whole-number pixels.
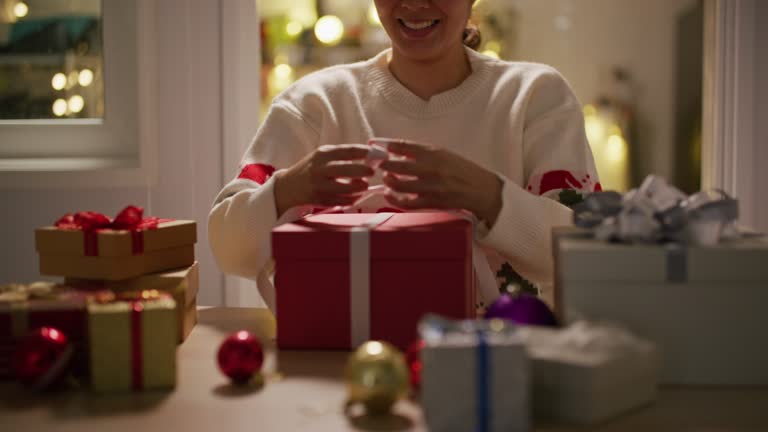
[
  {"x": 20, "y": 10},
  {"x": 76, "y": 103},
  {"x": 59, "y": 107},
  {"x": 85, "y": 78},
  {"x": 294, "y": 28},
  {"x": 373, "y": 15},
  {"x": 59, "y": 81},
  {"x": 329, "y": 29}
]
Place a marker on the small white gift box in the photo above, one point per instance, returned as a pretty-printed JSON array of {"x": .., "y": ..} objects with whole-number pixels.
[
  {"x": 588, "y": 373},
  {"x": 475, "y": 377}
]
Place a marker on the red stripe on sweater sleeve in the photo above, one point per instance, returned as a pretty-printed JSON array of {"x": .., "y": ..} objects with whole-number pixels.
[
  {"x": 257, "y": 172},
  {"x": 558, "y": 180}
]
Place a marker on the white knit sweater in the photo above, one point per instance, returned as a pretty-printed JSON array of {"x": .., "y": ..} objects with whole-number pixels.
[{"x": 520, "y": 120}]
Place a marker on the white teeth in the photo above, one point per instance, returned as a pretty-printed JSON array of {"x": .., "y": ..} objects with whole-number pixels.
[{"x": 418, "y": 25}]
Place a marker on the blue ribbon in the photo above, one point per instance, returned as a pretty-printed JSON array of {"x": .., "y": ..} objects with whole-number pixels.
[
  {"x": 483, "y": 384},
  {"x": 434, "y": 328}
]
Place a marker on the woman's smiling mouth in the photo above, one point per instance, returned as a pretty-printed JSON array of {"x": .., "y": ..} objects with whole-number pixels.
[{"x": 418, "y": 29}]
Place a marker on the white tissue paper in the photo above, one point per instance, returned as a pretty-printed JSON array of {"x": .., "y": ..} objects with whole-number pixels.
[{"x": 588, "y": 373}]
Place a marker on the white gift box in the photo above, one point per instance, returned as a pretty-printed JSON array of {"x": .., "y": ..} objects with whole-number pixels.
[
  {"x": 589, "y": 373},
  {"x": 703, "y": 306},
  {"x": 475, "y": 381}
]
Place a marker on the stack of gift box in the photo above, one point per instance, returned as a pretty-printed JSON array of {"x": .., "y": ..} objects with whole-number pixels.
[
  {"x": 652, "y": 291},
  {"x": 342, "y": 279},
  {"x": 127, "y": 298}
]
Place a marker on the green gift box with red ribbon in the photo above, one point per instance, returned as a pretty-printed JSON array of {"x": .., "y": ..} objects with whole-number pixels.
[
  {"x": 90, "y": 245},
  {"x": 133, "y": 342}
]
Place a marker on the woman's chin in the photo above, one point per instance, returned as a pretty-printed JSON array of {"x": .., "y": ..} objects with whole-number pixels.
[{"x": 420, "y": 54}]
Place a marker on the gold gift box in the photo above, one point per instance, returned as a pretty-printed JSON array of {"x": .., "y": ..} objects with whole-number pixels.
[
  {"x": 115, "y": 254},
  {"x": 182, "y": 284},
  {"x": 133, "y": 345}
]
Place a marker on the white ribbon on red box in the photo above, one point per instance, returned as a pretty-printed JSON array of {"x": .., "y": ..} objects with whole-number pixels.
[{"x": 360, "y": 278}]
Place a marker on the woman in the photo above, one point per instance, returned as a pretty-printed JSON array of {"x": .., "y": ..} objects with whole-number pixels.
[{"x": 502, "y": 140}]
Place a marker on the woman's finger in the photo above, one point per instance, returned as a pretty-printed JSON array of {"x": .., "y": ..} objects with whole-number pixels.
[
  {"x": 327, "y": 153},
  {"x": 345, "y": 169},
  {"x": 407, "y": 167},
  {"x": 418, "y": 202},
  {"x": 333, "y": 187},
  {"x": 408, "y": 148},
  {"x": 418, "y": 186},
  {"x": 336, "y": 200}
]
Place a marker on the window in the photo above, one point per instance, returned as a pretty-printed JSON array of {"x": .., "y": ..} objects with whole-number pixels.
[
  {"x": 51, "y": 60},
  {"x": 73, "y": 74}
]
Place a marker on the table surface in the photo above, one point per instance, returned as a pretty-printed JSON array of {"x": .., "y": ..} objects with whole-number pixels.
[{"x": 304, "y": 392}]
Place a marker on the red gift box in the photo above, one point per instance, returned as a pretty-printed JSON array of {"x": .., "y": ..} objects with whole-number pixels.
[
  {"x": 64, "y": 310},
  {"x": 342, "y": 279}
]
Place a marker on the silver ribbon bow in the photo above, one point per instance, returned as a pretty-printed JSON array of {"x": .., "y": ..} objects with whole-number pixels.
[{"x": 657, "y": 212}]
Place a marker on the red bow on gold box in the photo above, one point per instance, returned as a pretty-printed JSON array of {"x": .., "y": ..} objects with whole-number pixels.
[{"x": 89, "y": 245}]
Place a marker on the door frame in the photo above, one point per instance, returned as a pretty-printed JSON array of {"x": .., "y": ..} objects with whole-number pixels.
[{"x": 240, "y": 87}]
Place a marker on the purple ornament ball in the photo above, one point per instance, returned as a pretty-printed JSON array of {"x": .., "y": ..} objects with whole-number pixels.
[{"x": 524, "y": 309}]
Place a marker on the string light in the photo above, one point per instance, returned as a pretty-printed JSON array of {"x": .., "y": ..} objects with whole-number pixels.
[
  {"x": 76, "y": 103},
  {"x": 329, "y": 29},
  {"x": 59, "y": 107},
  {"x": 279, "y": 78},
  {"x": 59, "y": 81},
  {"x": 283, "y": 71},
  {"x": 294, "y": 28},
  {"x": 85, "y": 78},
  {"x": 595, "y": 128},
  {"x": 20, "y": 10},
  {"x": 615, "y": 148},
  {"x": 609, "y": 147}
]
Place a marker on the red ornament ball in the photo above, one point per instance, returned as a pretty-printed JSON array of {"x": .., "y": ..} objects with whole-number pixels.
[
  {"x": 42, "y": 357},
  {"x": 240, "y": 356},
  {"x": 413, "y": 358},
  {"x": 523, "y": 309}
]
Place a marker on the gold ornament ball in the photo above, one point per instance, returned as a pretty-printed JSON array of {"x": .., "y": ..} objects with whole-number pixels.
[{"x": 376, "y": 376}]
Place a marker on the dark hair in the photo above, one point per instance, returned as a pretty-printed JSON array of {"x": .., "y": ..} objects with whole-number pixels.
[{"x": 472, "y": 36}]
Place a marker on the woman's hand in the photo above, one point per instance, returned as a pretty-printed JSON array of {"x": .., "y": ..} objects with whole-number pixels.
[
  {"x": 315, "y": 179},
  {"x": 439, "y": 179}
]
